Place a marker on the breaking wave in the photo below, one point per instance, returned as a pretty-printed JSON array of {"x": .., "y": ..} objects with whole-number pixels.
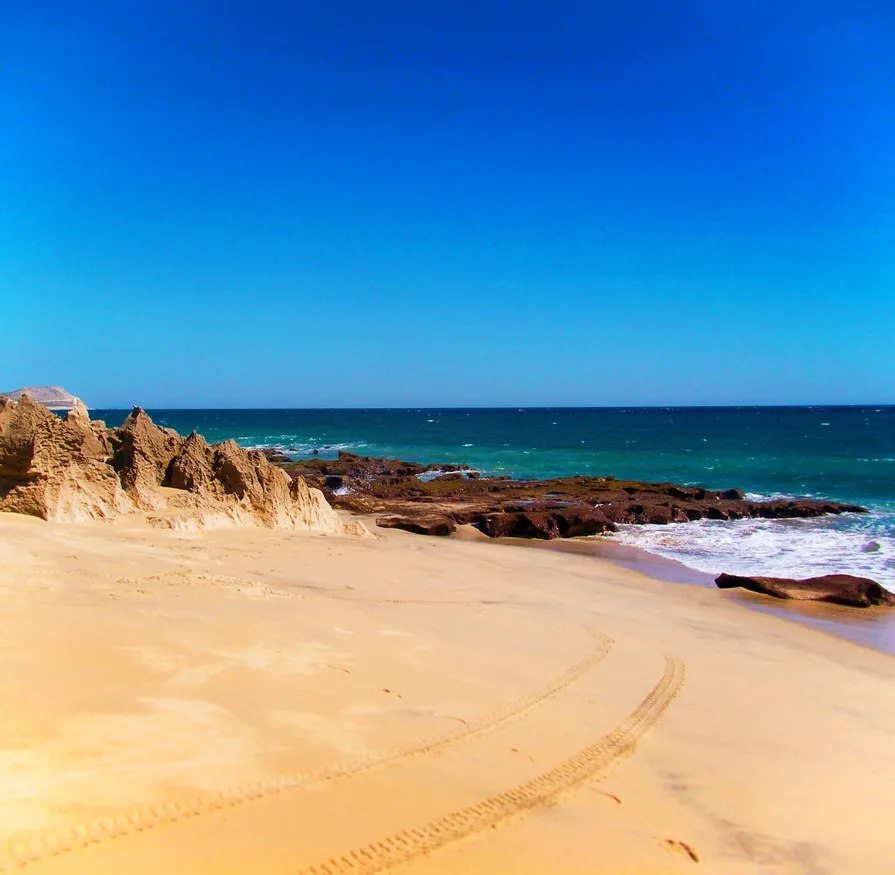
[{"x": 863, "y": 545}]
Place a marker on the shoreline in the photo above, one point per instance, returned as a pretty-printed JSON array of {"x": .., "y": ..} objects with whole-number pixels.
[
  {"x": 873, "y": 628},
  {"x": 723, "y": 530}
]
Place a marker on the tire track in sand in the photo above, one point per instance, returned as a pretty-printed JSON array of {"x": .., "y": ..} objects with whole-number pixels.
[
  {"x": 359, "y": 596},
  {"x": 17, "y": 854},
  {"x": 255, "y": 588},
  {"x": 409, "y": 844},
  {"x": 384, "y": 601}
]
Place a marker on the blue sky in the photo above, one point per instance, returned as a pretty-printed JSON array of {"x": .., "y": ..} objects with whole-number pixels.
[{"x": 343, "y": 204}]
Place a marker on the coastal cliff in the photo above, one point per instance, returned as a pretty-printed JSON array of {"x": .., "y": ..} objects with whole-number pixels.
[{"x": 75, "y": 469}]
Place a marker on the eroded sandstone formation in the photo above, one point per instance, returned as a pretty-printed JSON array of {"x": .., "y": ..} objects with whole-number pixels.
[
  {"x": 75, "y": 469},
  {"x": 56, "y": 469}
]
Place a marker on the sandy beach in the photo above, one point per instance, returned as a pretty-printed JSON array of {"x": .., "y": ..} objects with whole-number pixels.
[
  {"x": 251, "y": 701},
  {"x": 447, "y": 439}
]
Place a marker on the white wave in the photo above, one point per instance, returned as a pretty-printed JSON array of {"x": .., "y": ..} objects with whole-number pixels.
[
  {"x": 431, "y": 475},
  {"x": 770, "y": 496},
  {"x": 864, "y": 546},
  {"x": 294, "y": 448}
]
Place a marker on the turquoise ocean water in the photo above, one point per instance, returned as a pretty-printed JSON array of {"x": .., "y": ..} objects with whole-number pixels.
[{"x": 844, "y": 453}]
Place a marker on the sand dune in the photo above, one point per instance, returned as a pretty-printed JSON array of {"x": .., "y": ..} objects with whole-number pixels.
[{"x": 249, "y": 701}]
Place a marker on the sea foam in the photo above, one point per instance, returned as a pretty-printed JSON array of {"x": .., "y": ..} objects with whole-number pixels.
[
  {"x": 850, "y": 544},
  {"x": 306, "y": 448}
]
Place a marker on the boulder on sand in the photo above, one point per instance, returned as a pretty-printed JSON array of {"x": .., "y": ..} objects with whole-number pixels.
[
  {"x": 440, "y": 526},
  {"x": 839, "y": 589},
  {"x": 545, "y": 524}
]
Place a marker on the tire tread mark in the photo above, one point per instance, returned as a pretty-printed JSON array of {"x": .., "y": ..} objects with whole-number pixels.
[
  {"x": 538, "y": 792},
  {"x": 369, "y": 600},
  {"x": 16, "y": 854}
]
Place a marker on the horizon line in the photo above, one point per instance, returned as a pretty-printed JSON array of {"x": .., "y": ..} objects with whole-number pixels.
[{"x": 522, "y": 407}]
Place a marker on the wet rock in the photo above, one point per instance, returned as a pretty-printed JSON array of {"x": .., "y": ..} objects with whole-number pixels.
[
  {"x": 393, "y": 485},
  {"x": 439, "y": 526},
  {"x": 840, "y": 589},
  {"x": 528, "y": 524},
  {"x": 575, "y": 524},
  {"x": 543, "y": 524},
  {"x": 276, "y": 457}
]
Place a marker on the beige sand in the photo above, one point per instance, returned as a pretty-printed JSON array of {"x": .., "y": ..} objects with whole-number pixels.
[{"x": 246, "y": 701}]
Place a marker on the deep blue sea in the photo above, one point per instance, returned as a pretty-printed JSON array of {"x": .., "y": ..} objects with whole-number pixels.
[{"x": 844, "y": 453}]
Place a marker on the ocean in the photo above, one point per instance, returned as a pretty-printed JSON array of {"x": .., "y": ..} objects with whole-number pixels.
[{"x": 843, "y": 453}]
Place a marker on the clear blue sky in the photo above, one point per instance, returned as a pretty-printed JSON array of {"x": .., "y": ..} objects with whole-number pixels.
[{"x": 427, "y": 203}]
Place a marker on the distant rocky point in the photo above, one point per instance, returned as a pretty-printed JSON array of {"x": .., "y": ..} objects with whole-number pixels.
[{"x": 51, "y": 397}]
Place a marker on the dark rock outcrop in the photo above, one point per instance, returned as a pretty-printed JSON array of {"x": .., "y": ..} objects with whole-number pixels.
[
  {"x": 440, "y": 526},
  {"x": 839, "y": 589},
  {"x": 278, "y": 457},
  {"x": 544, "y": 524},
  {"x": 560, "y": 508}
]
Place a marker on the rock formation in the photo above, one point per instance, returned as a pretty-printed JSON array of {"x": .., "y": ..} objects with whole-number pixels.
[
  {"x": 75, "y": 469},
  {"x": 142, "y": 453},
  {"x": 55, "y": 468},
  {"x": 568, "y": 522},
  {"x": 500, "y": 507},
  {"x": 439, "y": 526},
  {"x": 840, "y": 589}
]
